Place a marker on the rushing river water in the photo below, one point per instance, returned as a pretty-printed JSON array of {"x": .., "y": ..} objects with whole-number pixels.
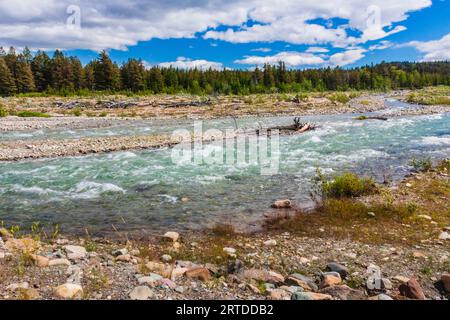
[{"x": 144, "y": 190}]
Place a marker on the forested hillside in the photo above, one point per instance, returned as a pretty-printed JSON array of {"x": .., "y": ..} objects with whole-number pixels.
[{"x": 60, "y": 74}]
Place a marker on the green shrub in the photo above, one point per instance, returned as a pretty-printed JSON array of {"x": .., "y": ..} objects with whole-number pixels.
[
  {"x": 76, "y": 112},
  {"x": 361, "y": 118},
  {"x": 346, "y": 185},
  {"x": 27, "y": 114},
  {"x": 421, "y": 165},
  {"x": 3, "y": 112},
  {"x": 339, "y": 97}
]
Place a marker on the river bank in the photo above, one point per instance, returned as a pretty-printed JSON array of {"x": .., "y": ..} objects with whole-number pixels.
[{"x": 409, "y": 256}]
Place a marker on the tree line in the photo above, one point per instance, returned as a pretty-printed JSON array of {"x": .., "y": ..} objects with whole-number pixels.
[{"x": 65, "y": 75}]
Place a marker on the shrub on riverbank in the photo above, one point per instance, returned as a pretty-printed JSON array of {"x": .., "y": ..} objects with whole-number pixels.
[
  {"x": 347, "y": 185},
  {"x": 339, "y": 97},
  {"x": 3, "y": 112}
]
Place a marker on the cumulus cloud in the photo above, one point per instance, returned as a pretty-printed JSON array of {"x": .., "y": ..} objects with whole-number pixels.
[
  {"x": 381, "y": 45},
  {"x": 436, "y": 50},
  {"x": 347, "y": 57},
  {"x": 117, "y": 24},
  {"x": 185, "y": 63},
  {"x": 317, "y": 50},
  {"x": 291, "y": 59}
]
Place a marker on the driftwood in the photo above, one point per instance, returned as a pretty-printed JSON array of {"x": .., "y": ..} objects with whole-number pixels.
[
  {"x": 98, "y": 105},
  {"x": 187, "y": 104},
  {"x": 297, "y": 127},
  {"x": 372, "y": 118}
]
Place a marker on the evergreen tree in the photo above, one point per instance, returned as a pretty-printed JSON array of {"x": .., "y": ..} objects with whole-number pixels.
[{"x": 7, "y": 85}]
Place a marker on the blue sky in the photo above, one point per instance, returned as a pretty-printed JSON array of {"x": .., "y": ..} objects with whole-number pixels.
[{"x": 235, "y": 34}]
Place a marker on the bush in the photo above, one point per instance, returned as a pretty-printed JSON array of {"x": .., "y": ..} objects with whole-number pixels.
[
  {"x": 76, "y": 112},
  {"x": 28, "y": 114},
  {"x": 423, "y": 165},
  {"x": 3, "y": 112},
  {"x": 346, "y": 185},
  {"x": 339, "y": 97}
]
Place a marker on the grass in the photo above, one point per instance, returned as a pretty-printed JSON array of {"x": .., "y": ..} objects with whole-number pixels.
[
  {"x": 339, "y": 97},
  {"x": 431, "y": 96},
  {"x": 421, "y": 165},
  {"x": 3, "y": 111},
  {"x": 29, "y": 114},
  {"x": 396, "y": 212}
]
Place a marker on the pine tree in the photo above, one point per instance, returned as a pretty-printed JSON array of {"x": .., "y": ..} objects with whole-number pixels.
[
  {"x": 105, "y": 73},
  {"x": 40, "y": 65},
  {"x": 7, "y": 85},
  {"x": 24, "y": 76},
  {"x": 133, "y": 73}
]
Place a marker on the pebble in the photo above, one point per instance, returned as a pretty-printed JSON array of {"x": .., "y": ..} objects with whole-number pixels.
[
  {"x": 75, "y": 252},
  {"x": 69, "y": 291},
  {"x": 172, "y": 235},
  {"x": 279, "y": 294},
  {"x": 311, "y": 296},
  {"x": 401, "y": 279},
  {"x": 58, "y": 262},
  {"x": 371, "y": 214},
  {"x": 230, "y": 251},
  {"x": 339, "y": 268},
  {"x": 424, "y": 216},
  {"x": 141, "y": 293},
  {"x": 152, "y": 280},
  {"x": 166, "y": 258},
  {"x": 270, "y": 243},
  {"x": 17, "y": 286},
  {"x": 444, "y": 235}
]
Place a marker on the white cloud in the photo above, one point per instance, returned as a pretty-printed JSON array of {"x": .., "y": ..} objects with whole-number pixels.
[
  {"x": 117, "y": 24},
  {"x": 381, "y": 45},
  {"x": 291, "y": 59},
  {"x": 317, "y": 50},
  {"x": 436, "y": 50},
  {"x": 347, "y": 57},
  {"x": 261, "y": 50},
  {"x": 185, "y": 63}
]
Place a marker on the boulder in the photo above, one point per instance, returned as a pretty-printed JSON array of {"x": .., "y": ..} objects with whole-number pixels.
[
  {"x": 69, "y": 291},
  {"x": 310, "y": 296},
  {"x": 343, "y": 292},
  {"x": 263, "y": 276},
  {"x": 75, "y": 252},
  {"x": 152, "y": 280},
  {"x": 302, "y": 281},
  {"x": 412, "y": 289},
  {"x": 330, "y": 280},
  {"x": 282, "y": 204}
]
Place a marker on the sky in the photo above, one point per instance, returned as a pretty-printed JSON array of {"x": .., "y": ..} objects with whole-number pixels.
[{"x": 237, "y": 34}]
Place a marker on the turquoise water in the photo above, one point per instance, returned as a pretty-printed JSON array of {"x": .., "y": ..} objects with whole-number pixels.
[{"x": 143, "y": 190}]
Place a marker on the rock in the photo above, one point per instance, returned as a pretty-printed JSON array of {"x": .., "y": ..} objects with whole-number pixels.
[
  {"x": 343, "y": 292},
  {"x": 198, "y": 273},
  {"x": 40, "y": 261},
  {"x": 424, "y": 216},
  {"x": 279, "y": 294},
  {"x": 177, "y": 273},
  {"x": 17, "y": 286},
  {"x": 141, "y": 293},
  {"x": 409, "y": 185},
  {"x": 124, "y": 258},
  {"x": 235, "y": 266},
  {"x": 303, "y": 260},
  {"x": 230, "y": 251},
  {"x": 371, "y": 214},
  {"x": 418, "y": 254},
  {"x": 282, "y": 204},
  {"x": 69, "y": 291},
  {"x": 172, "y": 235},
  {"x": 58, "y": 262},
  {"x": 401, "y": 279},
  {"x": 445, "y": 279},
  {"x": 444, "y": 235},
  {"x": 22, "y": 245},
  {"x": 120, "y": 252},
  {"x": 330, "y": 280},
  {"x": 168, "y": 284},
  {"x": 152, "y": 280},
  {"x": 2, "y": 255},
  {"x": 270, "y": 243},
  {"x": 381, "y": 296},
  {"x": 386, "y": 284},
  {"x": 263, "y": 275},
  {"x": 179, "y": 289},
  {"x": 166, "y": 258},
  {"x": 29, "y": 294},
  {"x": 62, "y": 241},
  {"x": 310, "y": 296},
  {"x": 412, "y": 290},
  {"x": 75, "y": 273},
  {"x": 339, "y": 268},
  {"x": 5, "y": 234},
  {"x": 302, "y": 281},
  {"x": 75, "y": 252}
]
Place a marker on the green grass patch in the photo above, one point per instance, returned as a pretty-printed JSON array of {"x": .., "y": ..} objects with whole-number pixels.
[{"x": 29, "y": 114}]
